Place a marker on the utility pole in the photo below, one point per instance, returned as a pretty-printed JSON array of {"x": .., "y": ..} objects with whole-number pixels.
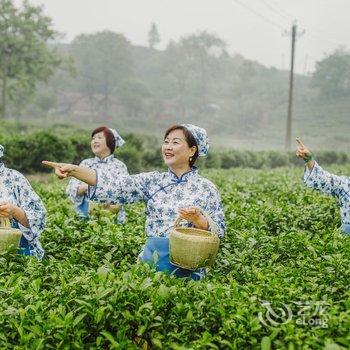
[{"x": 291, "y": 85}]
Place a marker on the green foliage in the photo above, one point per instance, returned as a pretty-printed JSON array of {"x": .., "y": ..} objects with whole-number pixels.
[
  {"x": 25, "y": 58},
  {"x": 332, "y": 75},
  {"x": 25, "y": 151},
  {"x": 104, "y": 63},
  {"x": 282, "y": 245}
]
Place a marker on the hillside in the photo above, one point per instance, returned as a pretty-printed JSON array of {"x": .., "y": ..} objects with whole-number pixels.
[{"x": 240, "y": 102}]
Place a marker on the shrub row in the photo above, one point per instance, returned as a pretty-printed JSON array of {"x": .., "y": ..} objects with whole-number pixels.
[{"x": 25, "y": 152}]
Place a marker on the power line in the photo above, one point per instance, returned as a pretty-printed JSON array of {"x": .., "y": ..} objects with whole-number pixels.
[
  {"x": 266, "y": 19},
  {"x": 275, "y": 10},
  {"x": 315, "y": 32}
]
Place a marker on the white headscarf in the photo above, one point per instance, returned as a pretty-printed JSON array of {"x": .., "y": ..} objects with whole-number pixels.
[
  {"x": 201, "y": 137},
  {"x": 118, "y": 139}
]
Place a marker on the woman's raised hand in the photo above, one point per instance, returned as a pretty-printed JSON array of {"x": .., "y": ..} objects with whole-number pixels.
[
  {"x": 62, "y": 170},
  {"x": 302, "y": 151}
]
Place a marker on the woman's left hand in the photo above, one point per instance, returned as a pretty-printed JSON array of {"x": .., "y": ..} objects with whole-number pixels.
[
  {"x": 7, "y": 210},
  {"x": 12, "y": 211},
  {"x": 194, "y": 216}
]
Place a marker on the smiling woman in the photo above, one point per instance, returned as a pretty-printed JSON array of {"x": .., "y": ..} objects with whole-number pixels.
[
  {"x": 104, "y": 141},
  {"x": 179, "y": 192}
]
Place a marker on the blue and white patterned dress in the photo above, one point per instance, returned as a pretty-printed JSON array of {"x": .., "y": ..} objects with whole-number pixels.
[
  {"x": 109, "y": 165},
  {"x": 334, "y": 185},
  {"x": 164, "y": 194},
  {"x": 15, "y": 188}
]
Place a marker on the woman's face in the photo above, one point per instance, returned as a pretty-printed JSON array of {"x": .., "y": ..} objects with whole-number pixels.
[
  {"x": 99, "y": 145},
  {"x": 175, "y": 150}
]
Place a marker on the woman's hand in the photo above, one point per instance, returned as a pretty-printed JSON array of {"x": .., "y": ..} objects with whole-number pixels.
[
  {"x": 194, "y": 216},
  {"x": 62, "y": 170},
  {"x": 304, "y": 153},
  {"x": 7, "y": 210},
  {"x": 11, "y": 211},
  {"x": 82, "y": 189}
]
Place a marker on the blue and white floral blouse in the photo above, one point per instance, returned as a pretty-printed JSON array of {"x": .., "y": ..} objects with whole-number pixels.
[
  {"x": 15, "y": 188},
  {"x": 334, "y": 185},
  {"x": 109, "y": 165},
  {"x": 164, "y": 194}
]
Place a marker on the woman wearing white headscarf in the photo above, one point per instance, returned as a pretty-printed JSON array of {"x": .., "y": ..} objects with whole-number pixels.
[
  {"x": 24, "y": 208},
  {"x": 104, "y": 141},
  {"x": 180, "y": 191}
]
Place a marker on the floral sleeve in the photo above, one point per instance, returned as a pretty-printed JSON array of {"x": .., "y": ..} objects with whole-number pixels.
[
  {"x": 324, "y": 181},
  {"x": 35, "y": 212},
  {"x": 121, "y": 189}
]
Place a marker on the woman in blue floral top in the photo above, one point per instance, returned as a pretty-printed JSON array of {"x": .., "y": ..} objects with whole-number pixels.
[
  {"x": 20, "y": 204},
  {"x": 180, "y": 191},
  {"x": 103, "y": 143},
  {"x": 323, "y": 181}
]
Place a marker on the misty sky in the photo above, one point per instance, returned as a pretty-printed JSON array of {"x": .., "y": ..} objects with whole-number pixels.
[{"x": 252, "y": 28}]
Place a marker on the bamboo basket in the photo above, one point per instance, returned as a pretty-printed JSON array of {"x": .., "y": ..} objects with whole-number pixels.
[
  {"x": 9, "y": 237},
  {"x": 192, "y": 248},
  {"x": 95, "y": 207}
]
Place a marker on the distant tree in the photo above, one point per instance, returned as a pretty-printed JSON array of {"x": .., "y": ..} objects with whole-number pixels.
[
  {"x": 132, "y": 95},
  {"x": 332, "y": 75},
  {"x": 25, "y": 58},
  {"x": 153, "y": 36},
  {"x": 103, "y": 63},
  {"x": 193, "y": 63}
]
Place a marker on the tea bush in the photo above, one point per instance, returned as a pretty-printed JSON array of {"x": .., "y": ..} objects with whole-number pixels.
[{"x": 282, "y": 246}]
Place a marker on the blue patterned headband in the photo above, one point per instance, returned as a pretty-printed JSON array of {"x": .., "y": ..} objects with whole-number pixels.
[
  {"x": 118, "y": 139},
  {"x": 201, "y": 137},
  {"x": 2, "y": 149}
]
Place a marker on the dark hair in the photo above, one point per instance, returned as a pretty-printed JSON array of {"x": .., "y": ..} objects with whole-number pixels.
[
  {"x": 191, "y": 141},
  {"x": 110, "y": 140}
]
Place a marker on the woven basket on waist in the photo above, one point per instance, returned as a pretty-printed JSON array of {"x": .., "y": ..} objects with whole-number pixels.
[
  {"x": 95, "y": 207},
  {"x": 9, "y": 237},
  {"x": 192, "y": 248}
]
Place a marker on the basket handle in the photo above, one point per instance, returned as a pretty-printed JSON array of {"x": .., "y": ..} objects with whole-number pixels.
[
  {"x": 177, "y": 224},
  {"x": 5, "y": 222},
  {"x": 177, "y": 221}
]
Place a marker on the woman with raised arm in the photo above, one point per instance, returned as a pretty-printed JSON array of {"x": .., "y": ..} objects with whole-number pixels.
[
  {"x": 103, "y": 143},
  {"x": 23, "y": 207},
  {"x": 323, "y": 181},
  {"x": 179, "y": 192}
]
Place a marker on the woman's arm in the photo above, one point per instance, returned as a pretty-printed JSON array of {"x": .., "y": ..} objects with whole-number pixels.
[
  {"x": 30, "y": 206},
  {"x": 12, "y": 211},
  {"x": 317, "y": 178},
  {"x": 64, "y": 170},
  {"x": 77, "y": 190}
]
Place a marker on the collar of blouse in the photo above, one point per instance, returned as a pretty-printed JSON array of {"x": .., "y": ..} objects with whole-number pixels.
[
  {"x": 184, "y": 177},
  {"x": 104, "y": 160}
]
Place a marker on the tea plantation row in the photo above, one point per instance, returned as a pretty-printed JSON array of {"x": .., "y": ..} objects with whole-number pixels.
[{"x": 282, "y": 247}]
